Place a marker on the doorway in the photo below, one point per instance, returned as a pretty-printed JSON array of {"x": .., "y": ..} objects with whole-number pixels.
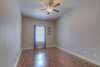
[{"x": 39, "y": 36}]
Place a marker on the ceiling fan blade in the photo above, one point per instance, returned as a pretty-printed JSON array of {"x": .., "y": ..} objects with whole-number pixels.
[
  {"x": 56, "y": 10},
  {"x": 58, "y": 4},
  {"x": 44, "y": 2}
]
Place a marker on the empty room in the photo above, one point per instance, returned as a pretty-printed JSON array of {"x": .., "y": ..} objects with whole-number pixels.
[{"x": 49, "y": 33}]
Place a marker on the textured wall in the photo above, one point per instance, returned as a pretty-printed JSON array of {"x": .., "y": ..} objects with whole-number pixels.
[
  {"x": 79, "y": 31},
  {"x": 28, "y": 32},
  {"x": 10, "y": 33}
]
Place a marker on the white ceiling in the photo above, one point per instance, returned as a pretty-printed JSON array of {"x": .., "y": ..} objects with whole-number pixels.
[{"x": 32, "y": 8}]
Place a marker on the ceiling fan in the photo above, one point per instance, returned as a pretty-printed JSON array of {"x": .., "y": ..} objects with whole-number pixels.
[{"x": 51, "y": 5}]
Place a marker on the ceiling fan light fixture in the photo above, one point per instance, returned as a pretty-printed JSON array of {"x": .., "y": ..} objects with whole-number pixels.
[
  {"x": 51, "y": 5},
  {"x": 50, "y": 10}
]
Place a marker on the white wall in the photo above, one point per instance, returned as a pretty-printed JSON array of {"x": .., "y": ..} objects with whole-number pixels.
[
  {"x": 79, "y": 31},
  {"x": 28, "y": 32},
  {"x": 10, "y": 31}
]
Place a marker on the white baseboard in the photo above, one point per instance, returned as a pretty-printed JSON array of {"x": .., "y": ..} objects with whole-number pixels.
[
  {"x": 75, "y": 54},
  {"x": 27, "y": 48},
  {"x": 33, "y": 48},
  {"x": 18, "y": 58},
  {"x": 51, "y": 46}
]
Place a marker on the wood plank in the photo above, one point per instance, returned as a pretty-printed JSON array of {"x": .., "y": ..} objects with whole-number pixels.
[{"x": 51, "y": 57}]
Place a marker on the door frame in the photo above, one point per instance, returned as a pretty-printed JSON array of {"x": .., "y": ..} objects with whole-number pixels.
[{"x": 34, "y": 30}]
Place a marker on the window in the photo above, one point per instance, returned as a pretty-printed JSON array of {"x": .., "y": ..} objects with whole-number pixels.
[{"x": 40, "y": 33}]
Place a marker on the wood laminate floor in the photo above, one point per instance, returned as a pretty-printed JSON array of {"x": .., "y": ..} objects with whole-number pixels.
[{"x": 51, "y": 57}]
